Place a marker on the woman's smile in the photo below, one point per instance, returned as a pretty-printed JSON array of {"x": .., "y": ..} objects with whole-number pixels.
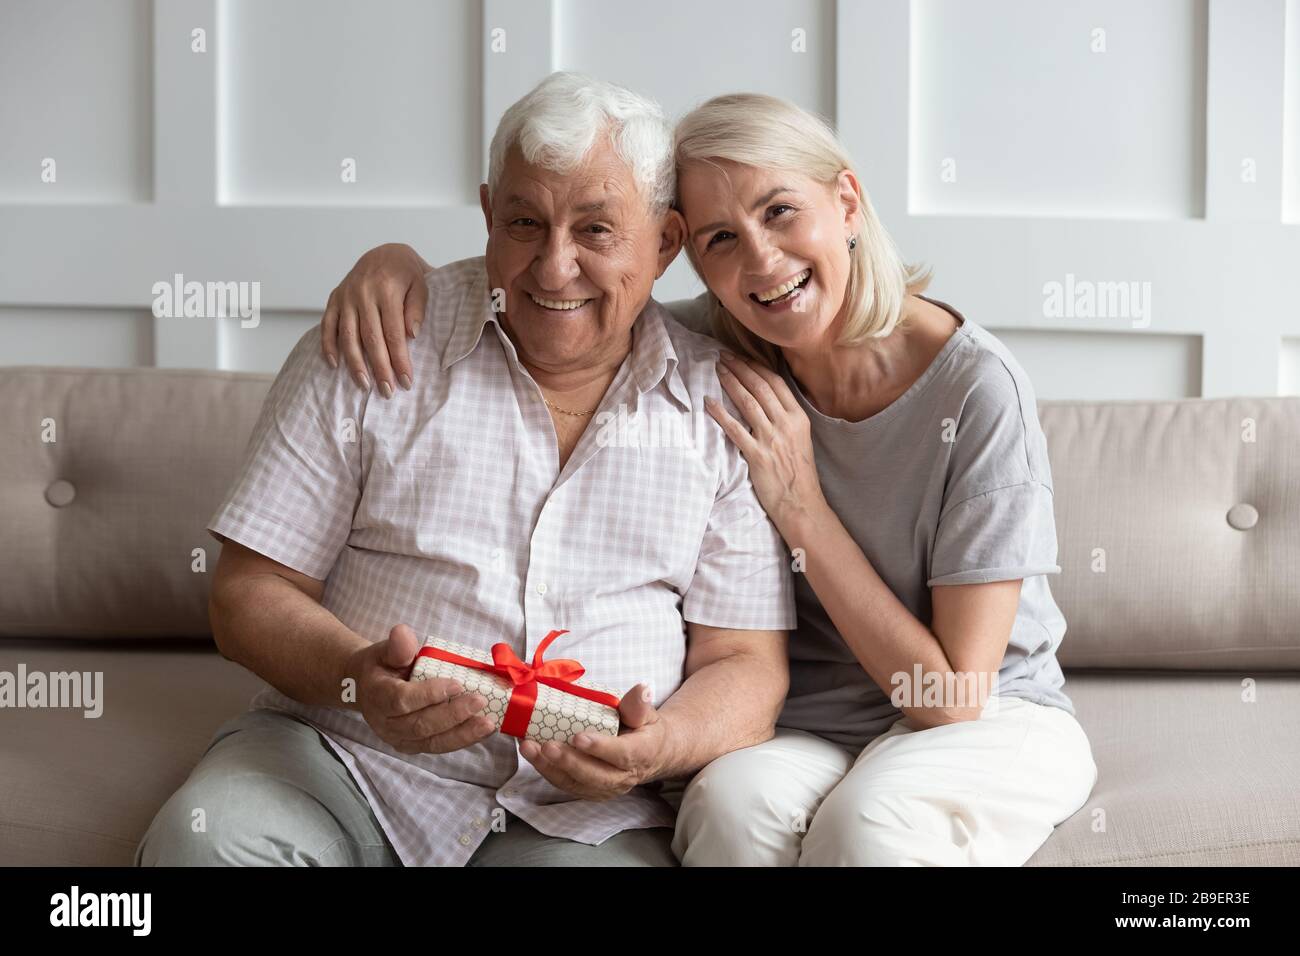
[{"x": 781, "y": 297}]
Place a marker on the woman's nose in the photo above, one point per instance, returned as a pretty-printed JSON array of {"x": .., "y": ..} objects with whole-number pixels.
[{"x": 762, "y": 257}]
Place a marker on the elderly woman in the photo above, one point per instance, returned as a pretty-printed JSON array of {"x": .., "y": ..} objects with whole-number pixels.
[{"x": 896, "y": 446}]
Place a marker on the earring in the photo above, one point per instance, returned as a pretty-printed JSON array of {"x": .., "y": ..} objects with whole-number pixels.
[{"x": 853, "y": 243}]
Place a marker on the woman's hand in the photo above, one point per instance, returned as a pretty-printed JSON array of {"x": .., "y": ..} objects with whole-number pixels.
[
  {"x": 778, "y": 445},
  {"x": 378, "y": 304}
]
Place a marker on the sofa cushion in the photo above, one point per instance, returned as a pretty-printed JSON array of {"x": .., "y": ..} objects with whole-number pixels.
[
  {"x": 81, "y": 791},
  {"x": 1189, "y": 773},
  {"x": 1148, "y": 488},
  {"x": 108, "y": 515}
]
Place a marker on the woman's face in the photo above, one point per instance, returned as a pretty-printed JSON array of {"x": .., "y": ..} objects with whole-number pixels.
[{"x": 772, "y": 246}]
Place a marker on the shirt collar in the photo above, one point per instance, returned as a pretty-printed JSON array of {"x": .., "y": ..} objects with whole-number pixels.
[
  {"x": 474, "y": 313},
  {"x": 653, "y": 358}
]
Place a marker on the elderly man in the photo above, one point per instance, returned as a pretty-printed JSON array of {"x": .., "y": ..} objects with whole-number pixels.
[{"x": 483, "y": 506}]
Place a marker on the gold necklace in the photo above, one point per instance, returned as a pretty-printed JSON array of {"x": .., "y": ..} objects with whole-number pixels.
[{"x": 565, "y": 411}]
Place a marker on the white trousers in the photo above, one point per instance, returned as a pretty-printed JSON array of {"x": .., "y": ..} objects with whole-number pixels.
[{"x": 984, "y": 792}]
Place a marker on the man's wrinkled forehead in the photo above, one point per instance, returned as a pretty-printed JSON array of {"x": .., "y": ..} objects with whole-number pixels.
[{"x": 603, "y": 184}]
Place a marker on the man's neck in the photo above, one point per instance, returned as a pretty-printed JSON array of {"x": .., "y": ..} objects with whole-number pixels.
[
  {"x": 574, "y": 381},
  {"x": 591, "y": 372}
]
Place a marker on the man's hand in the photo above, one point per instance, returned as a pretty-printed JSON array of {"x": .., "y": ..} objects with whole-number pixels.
[
  {"x": 413, "y": 717},
  {"x": 599, "y": 767}
]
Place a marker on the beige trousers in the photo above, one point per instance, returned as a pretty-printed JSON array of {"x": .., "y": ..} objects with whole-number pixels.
[{"x": 984, "y": 792}]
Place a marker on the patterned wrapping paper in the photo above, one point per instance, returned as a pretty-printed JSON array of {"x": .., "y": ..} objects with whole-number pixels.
[{"x": 557, "y": 714}]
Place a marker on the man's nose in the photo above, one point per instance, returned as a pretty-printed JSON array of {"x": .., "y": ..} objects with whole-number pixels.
[{"x": 557, "y": 264}]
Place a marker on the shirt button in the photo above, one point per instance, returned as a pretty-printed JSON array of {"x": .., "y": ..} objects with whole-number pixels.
[
  {"x": 464, "y": 839},
  {"x": 478, "y": 823},
  {"x": 541, "y": 588}
]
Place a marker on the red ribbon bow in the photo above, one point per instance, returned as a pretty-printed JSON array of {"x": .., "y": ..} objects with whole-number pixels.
[{"x": 559, "y": 673}]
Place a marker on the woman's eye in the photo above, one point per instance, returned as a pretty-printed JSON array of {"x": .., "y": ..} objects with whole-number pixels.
[
  {"x": 597, "y": 229},
  {"x": 774, "y": 211},
  {"x": 721, "y": 234}
]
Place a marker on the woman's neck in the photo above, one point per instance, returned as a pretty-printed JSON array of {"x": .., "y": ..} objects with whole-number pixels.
[{"x": 852, "y": 382}]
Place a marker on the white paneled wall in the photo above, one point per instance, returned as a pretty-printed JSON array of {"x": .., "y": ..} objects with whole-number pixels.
[
  {"x": 1291, "y": 116},
  {"x": 1114, "y": 188},
  {"x": 1289, "y": 367},
  {"x": 391, "y": 87},
  {"x": 76, "y": 88},
  {"x": 106, "y": 338},
  {"x": 1024, "y": 111}
]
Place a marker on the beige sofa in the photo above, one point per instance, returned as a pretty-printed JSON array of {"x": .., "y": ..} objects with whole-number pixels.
[{"x": 1182, "y": 655}]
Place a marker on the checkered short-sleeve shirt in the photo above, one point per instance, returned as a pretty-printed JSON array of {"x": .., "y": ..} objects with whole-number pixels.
[{"x": 445, "y": 508}]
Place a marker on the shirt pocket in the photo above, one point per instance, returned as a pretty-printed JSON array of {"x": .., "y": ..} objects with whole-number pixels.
[{"x": 412, "y": 507}]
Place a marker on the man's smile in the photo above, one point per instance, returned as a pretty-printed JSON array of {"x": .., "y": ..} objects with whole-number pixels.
[{"x": 559, "y": 305}]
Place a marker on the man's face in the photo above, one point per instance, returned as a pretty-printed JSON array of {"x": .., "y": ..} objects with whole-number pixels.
[{"x": 576, "y": 254}]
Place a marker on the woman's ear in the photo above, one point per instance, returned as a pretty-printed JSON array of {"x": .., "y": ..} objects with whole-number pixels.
[{"x": 849, "y": 193}]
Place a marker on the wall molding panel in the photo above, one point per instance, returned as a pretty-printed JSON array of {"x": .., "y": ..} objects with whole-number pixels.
[{"x": 1164, "y": 165}]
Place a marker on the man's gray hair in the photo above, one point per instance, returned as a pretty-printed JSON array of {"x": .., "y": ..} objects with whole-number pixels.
[{"x": 556, "y": 124}]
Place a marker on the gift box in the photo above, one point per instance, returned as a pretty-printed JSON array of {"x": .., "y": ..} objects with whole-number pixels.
[{"x": 540, "y": 701}]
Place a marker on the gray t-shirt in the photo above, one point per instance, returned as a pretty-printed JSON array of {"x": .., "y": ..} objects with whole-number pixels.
[{"x": 950, "y": 484}]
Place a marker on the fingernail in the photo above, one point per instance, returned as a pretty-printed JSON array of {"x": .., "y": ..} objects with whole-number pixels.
[
  {"x": 582, "y": 740},
  {"x": 334, "y": 363},
  {"x": 364, "y": 381},
  {"x": 645, "y": 695},
  {"x": 405, "y": 380},
  {"x": 454, "y": 689},
  {"x": 416, "y": 328},
  {"x": 387, "y": 389}
]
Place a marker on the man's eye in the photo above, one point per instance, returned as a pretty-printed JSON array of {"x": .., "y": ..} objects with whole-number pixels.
[
  {"x": 524, "y": 221},
  {"x": 720, "y": 235},
  {"x": 597, "y": 228}
]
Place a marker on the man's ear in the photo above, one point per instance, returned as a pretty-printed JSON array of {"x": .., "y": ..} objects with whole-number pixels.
[
  {"x": 486, "y": 204},
  {"x": 672, "y": 233},
  {"x": 849, "y": 193}
]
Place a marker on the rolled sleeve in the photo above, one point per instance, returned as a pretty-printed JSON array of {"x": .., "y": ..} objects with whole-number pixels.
[
  {"x": 1000, "y": 535},
  {"x": 300, "y": 482},
  {"x": 742, "y": 579}
]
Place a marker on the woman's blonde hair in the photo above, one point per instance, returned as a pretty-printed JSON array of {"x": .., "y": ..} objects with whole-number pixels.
[{"x": 770, "y": 133}]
